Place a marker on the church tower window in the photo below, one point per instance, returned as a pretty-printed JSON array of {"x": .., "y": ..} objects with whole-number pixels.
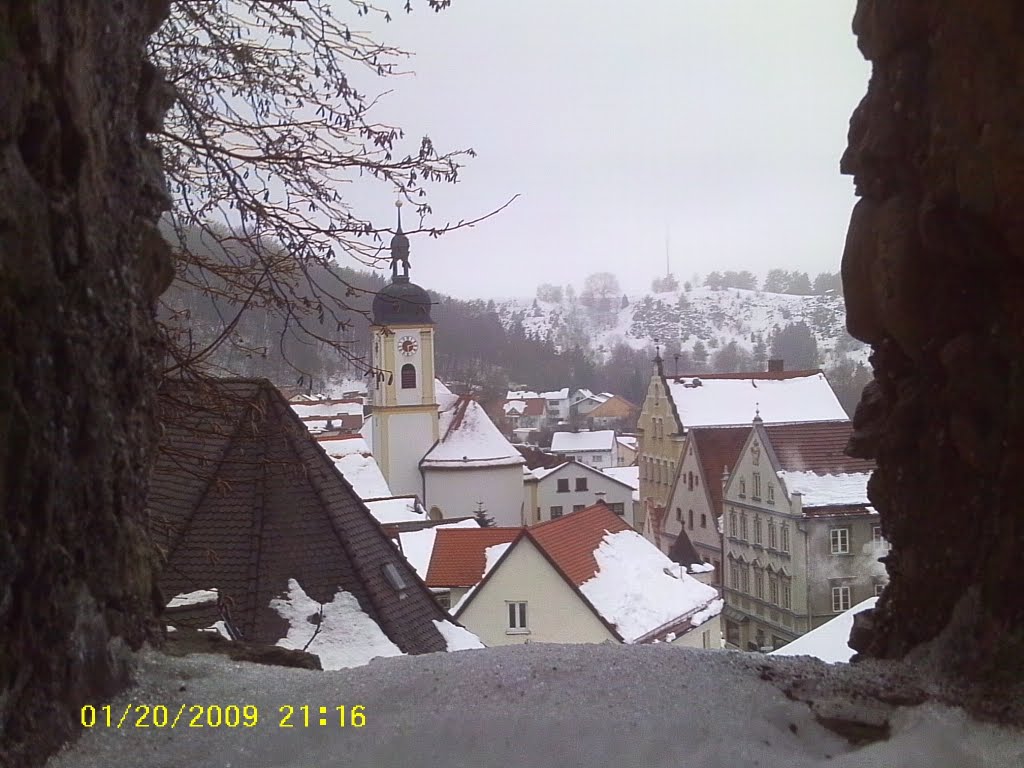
[{"x": 408, "y": 376}]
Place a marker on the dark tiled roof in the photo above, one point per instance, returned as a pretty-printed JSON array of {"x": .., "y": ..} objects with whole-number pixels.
[
  {"x": 459, "y": 555},
  {"x": 815, "y": 447},
  {"x": 717, "y": 448},
  {"x": 242, "y": 499}
]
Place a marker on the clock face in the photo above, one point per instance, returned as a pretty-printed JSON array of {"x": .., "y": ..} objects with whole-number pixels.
[{"x": 407, "y": 345}]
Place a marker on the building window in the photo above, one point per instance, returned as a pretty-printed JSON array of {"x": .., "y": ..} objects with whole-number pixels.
[
  {"x": 563, "y": 485},
  {"x": 691, "y": 519},
  {"x": 618, "y": 508},
  {"x": 556, "y": 512},
  {"x": 745, "y": 578},
  {"x": 771, "y": 493},
  {"x": 581, "y": 483},
  {"x": 690, "y": 483},
  {"x": 839, "y": 538},
  {"x": 743, "y": 526},
  {"x": 773, "y": 589},
  {"x": 516, "y": 618},
  {"x": 878, "y": 589},
  {"x": 696, "y": 481},
  {"x": 679, "y": 515},
  {"x": 732, "y": 523},
  {"x": 785, "y": 538},
  {"x": 787, "y": 595},
  {"x": 840, "y": 599},
  {"x": 758, "y": 584},
  {"x": 732, "y": 633},
  {"x": 743, "y": 487},
  {"x": 772, "y": 542},
  {"x": 595, "y": 459},
  {"x": 734, "y": 575},
  {"x": 703, "y": 520},
  {"x": 444, "y": 599},
  {"x": 578, "y": 507},
  {"x": 408, "y": 376},
  {"x": 757, "y": 529},
  {"x": 757, "y": 485},
  {"x": 876, "y": 534}
]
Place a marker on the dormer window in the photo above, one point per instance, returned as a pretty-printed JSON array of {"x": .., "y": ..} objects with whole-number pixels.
[
  {"x": 395, "y": 579},
  {"x": 408, "y": 376}
]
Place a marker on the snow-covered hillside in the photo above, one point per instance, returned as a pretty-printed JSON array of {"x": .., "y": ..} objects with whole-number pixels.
[{"x": 714, "y": 317}]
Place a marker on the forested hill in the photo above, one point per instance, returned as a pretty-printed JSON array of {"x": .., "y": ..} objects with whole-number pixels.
[{"x": 598, "y": 340}]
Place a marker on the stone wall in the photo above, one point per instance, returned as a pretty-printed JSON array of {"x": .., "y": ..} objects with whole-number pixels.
[
  {"x": 934, "y": 280},
  {"x": 80, "y": 267}
]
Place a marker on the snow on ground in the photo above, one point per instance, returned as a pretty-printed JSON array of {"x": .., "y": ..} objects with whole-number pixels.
[
  {"x": 653, "y": 706},
  {"x": 347, "y": 636},
  {"x": 363, "y": 475},
  {"x": 457, "y": 638},
  {"x": 632, "y": 590},
  {"x": 417, "y": 546},
  {"x": 198, "y": 597},
  {"x": 829, "y": 641},
  {"x": 821, "y": 490},
  {"x": 492, "y": 555}
]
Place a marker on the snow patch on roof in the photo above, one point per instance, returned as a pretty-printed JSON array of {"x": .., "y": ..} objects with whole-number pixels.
[
  {"x": 568, "y": 442},
  {"x": 338, "y": 447},
  {"x": 829, "y": 641},
  {"x": 440, "y": 388},
  {"x": 417, "y": 546},
  {"x": 363, "y": 475},
  {"x": 628, "y": 475},
  {"x": 822, "y": 490},
  {"x": 366, "y": 432},
  {"x": 458, "y": 638},
  {"x": 199, "y": 597},
  {"x": 633, "y": 591},
  {"x": 328, "y": 408},
  {"x": 541, "y": 472},
  {"x": 714, "y": 608},
  {"x": 470, "y": 439},
  {"x": 719, "y": 402},
  {"x": 347, "y": 637},
  {"x": 399, "y": 509}
]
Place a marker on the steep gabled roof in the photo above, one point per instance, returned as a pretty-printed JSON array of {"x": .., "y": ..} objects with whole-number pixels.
[
  {"x": 818, "y": 447},
  {"x": 716, "y": 448},
  {"x": 468, "y": 438},
  {"x": 243, "y": 499},
  {"x": 458, "y": 557},
  {"x": 719, "y": 399}
]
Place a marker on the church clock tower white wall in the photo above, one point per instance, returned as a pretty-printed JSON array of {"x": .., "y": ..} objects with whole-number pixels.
[{"x": 405, "y": 419}]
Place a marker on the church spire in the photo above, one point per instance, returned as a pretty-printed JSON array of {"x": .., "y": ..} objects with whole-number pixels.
[{"x": 399, "y": 250}]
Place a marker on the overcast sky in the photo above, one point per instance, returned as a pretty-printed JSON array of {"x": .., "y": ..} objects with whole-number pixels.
[{"x": 721, "y": 121}]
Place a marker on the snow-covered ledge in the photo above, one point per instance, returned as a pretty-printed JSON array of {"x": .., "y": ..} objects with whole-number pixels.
[{"x": 559, "y": 705}]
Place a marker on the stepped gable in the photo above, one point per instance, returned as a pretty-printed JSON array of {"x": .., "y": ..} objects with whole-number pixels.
[{"x": 243, "y": 498}]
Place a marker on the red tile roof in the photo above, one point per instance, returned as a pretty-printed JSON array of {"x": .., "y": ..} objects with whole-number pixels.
[
  {"x": 717, "y": 448},
  {"x": 571, "y": 540},
  {"x": 458, "y": 558},
  {"x": 815, "y": 447}
]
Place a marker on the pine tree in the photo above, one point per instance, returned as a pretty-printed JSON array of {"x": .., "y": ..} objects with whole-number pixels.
[{"x": 485, "y": 520}]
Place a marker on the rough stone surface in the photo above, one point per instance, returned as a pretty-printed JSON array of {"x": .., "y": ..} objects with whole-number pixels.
[
  {"x": 934, "y": 279},
  {"x": 80, "y": 268},
  {"x": 182, "y": 642}
]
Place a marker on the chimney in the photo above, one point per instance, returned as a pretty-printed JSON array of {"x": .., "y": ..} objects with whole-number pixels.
[{"x": 776, "y": 365}]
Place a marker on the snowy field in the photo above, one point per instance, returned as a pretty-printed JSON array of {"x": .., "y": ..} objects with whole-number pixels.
[{"x": 535, "y": 706}]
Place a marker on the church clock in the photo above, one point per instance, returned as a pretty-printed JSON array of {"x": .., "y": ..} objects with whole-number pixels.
[{"x": 407, "y": 345}]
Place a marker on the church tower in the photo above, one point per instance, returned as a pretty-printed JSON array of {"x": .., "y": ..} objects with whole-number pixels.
[{"x": 405, "y": 419}]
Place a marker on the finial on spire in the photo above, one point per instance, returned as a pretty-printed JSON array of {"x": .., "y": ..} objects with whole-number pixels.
[
  {"x": 399, "y": 248},
  {"x": 757, "y": 412}
]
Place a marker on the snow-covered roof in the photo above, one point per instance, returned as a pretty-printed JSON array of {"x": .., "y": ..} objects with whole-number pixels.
[
  {"x": 363, "y": 474},
  {"x": 346, "y": 636},
  {"x": 829, "y": 641},
  {"x": 337, "y": 446},
  {"x": 823, "y": 490},
  {"x": 627, "y": 440},
  {"x": 469, "y": 439},
  {"x": 417, "y": 546},
  {"x": 571, "y": 442},
  {"x": 398, "y": 509},
  {"x": 628, "y": 475},
  {"x": 521, "y": 394},
  {"x": 541, "y": 472},
  {"x": 457, "y": 638},
  {"x": 556, "y": 394},
  {"x": 366, "y": 432},
  {"x": 440, "y": 388},
  {"x": 514, "y": 406},
  {"x": 198, "y": 597},
  {"x": 638, "y": 589},
  {"x": 328, "y": 408},
  {"x": 717, "y": 400}
]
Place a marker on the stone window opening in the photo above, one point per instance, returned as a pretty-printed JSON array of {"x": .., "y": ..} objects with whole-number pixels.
[{"x": 408, "y": 376}]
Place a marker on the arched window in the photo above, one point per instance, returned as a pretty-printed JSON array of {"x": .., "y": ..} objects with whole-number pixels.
[{"x": 408, "y": 376}]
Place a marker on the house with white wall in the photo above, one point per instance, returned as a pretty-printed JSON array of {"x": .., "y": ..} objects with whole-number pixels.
[
  {"x": 569, "y": 487},
  {"x": 588, "y": 577},
  {"x": 597, "y": 449}
]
